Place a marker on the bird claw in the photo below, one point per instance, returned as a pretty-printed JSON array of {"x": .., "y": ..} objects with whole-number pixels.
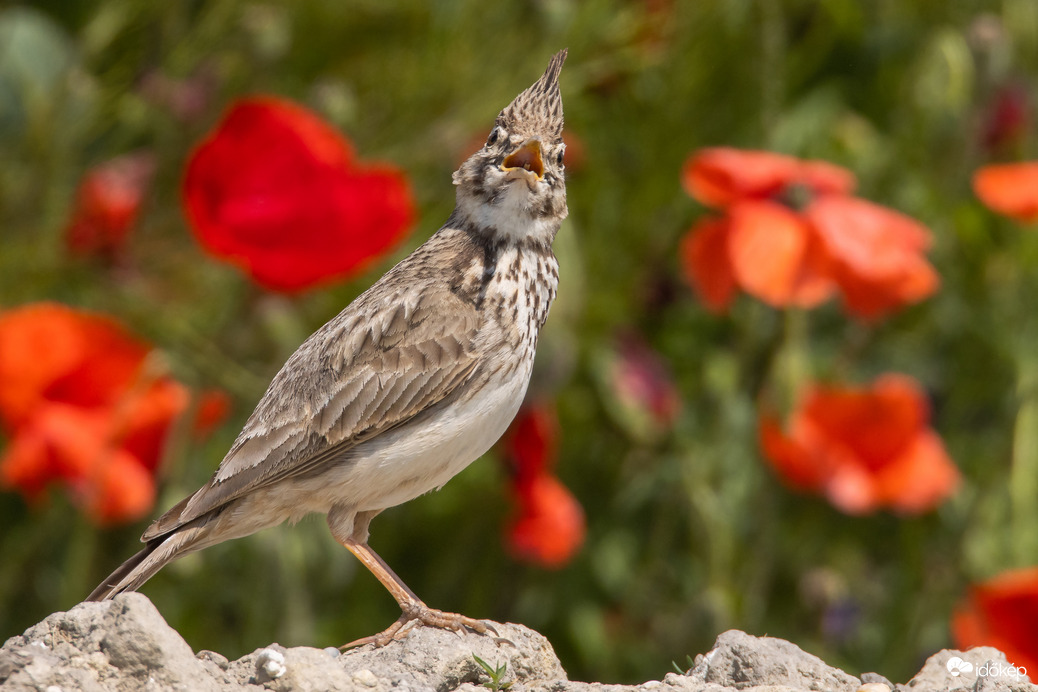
[{"x": 420, "y": 614}]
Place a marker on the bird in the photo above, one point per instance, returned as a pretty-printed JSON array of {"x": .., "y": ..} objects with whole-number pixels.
[{"x": 414, "y": 380}]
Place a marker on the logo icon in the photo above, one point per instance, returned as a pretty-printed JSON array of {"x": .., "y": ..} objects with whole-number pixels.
[{"x": 956, "y": 666}]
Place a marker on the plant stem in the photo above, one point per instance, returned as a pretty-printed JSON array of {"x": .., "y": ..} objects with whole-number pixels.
[
  {"x": 793, "y": 365},
  {"x": 1023, "y": 474}
]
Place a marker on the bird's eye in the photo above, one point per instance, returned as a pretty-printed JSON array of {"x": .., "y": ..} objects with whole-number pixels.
[
  {"x": 558, "y": 157},
  {"x": 493, "y": 136}
]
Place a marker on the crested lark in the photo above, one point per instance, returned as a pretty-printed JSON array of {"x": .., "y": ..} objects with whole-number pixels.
[{"x": 409, "y": 384}]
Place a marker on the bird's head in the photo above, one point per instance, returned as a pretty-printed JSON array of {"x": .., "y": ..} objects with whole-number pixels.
[{"x": 514, "y": 188}]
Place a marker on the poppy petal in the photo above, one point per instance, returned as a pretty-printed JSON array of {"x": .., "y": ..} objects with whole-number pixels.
[
  {"x": 550, "y": 526},
  {"x": 794, "y": 464},
  {"x": 58, "y": 444},
  {"x": 850, "y": 489},
  {"x": 85, "y": 407},
  {"x": 877, "y": 254},
  {"x": 120, "y": 490},
  {"x": 773, "y": 255},
  {"x": 863, "y": 447},
  {"x": 141, "y": 423},
  {"x": 822, "y": 177},
  {"x": 876, "y": 423},
  {"x": 531, "y": 442},
  {"x": 277, "y": 192},
  {"x": 213, "y": 408},
  {"x": 921, "y": 477},
  {"x": 1009, "y": 189},
  {"x": 706, "y": 263},
  {"x": 107, "y": 203},
  {"x": 721, "y": 176},
  {"x": 49, "y": 352},
  {"x": 1001, "y": 612}
]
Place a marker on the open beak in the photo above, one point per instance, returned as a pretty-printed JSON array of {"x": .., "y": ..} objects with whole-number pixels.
[{"x": 526, "y": 157}]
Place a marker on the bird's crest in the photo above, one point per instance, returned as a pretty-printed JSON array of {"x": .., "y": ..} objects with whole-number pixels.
[{"x": 538, "y": 110}]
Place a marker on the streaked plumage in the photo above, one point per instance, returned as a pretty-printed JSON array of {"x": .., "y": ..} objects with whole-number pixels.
[{"x": 413, "y": 381}]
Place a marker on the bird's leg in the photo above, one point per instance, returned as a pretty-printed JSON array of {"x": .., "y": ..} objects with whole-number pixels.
[
  {"x": 383, "y": 572},
  {"x": 412, "y": 607}
]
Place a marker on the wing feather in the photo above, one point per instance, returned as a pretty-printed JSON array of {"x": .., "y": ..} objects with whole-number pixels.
[{"x": 411, "y": 352}]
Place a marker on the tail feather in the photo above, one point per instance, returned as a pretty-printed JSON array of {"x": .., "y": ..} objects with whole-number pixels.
[
  {"x": 119, "y": 580},
  {"x": 157, "y": 553}
]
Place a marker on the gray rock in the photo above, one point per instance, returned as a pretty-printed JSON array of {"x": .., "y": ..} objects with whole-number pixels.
[
  {"x": 741, "y": 660},
  {"x": 444, "y": 660},
  {"x": 876, "y": 679},
  {"x": 982, "y": 669},
  {"x": 119, "y": 645},
  {"x": 125, "y": 645}
]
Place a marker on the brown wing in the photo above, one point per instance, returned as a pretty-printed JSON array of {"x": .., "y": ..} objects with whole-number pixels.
[{"x": 380, "y": 362}]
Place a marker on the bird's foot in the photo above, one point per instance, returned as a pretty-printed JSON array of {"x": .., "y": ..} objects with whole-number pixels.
[{"x": 420, "y": 614}]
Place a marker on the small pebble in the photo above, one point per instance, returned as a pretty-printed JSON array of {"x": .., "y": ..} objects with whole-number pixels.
[
  {"x": 874, "y": 687},
  {"x": 271, "y": 663},
  {"x": 365, "y": 677},
  {"x": 331, "y": 651},
  {"x": 876, "y": 678},
  {"x": 219, "y": 659}
]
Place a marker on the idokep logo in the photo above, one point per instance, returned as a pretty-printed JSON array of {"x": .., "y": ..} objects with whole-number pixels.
[
  {"x": 956, "y": 666},
  {"x": 1000, "y": 669}
]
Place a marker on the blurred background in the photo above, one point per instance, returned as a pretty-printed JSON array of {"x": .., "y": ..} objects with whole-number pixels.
[{"x": 663, "y": 522}]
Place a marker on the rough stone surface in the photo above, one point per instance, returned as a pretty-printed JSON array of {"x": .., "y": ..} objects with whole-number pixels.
[
  {"x": 741, "y": 660},
  {"x": 125, "y": 645},
  {"x": 987, "y": 671}
]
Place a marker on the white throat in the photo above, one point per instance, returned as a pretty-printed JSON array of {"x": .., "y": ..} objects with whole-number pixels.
[{"x": 512, "y": 218}]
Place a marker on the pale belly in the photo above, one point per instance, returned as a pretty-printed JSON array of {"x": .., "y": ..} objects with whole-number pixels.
[{"x": 403, "y": 463}]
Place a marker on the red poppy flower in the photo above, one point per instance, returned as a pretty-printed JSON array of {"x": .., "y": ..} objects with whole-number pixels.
[
  {"x": 214, "y": 406},
  {"x": 722, "y": 176},
  {"x": 707, "y": 264},
  {"x": 763, "y": 247},
  {"x": 1010, "y": 189},
  {"x": 549, "y": 526},
  {"x": 82, "y": 409},
  {"x": 52, "y": 353},
  {"x": 792, "y": 236},
  {"x": 1001, "y": 612},
  {"x": 875, "y": 254},
  {"x": 775, "y": 256},
  {"x": 79, "y": 448},
  {"x": 277, "y": 191},
  {"x": 863, "y": 448},
  {"x": 532, "y": 441},
  {"x": 108, "y": 201}
]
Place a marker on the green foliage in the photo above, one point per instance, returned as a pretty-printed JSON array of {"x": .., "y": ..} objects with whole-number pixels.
[
  {"x": 684, "y": 671},
  {"x": 496, "y": 674},
  {"x": 689, "y": 533}
]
